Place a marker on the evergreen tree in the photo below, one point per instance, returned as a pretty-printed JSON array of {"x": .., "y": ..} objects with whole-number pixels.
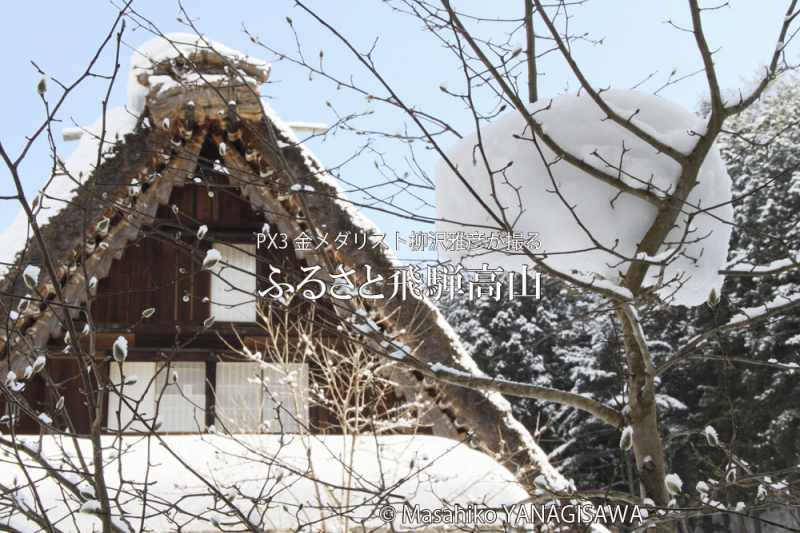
[
  {"x": 763, "y": 156},
  {"x": 568, "y": 339}
]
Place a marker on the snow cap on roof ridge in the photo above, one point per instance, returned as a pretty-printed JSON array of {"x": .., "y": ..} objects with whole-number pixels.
[{"x": 170, "y": 46}]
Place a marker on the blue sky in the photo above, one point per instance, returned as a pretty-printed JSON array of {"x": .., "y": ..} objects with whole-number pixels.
[{"x": 61, "y": 36}]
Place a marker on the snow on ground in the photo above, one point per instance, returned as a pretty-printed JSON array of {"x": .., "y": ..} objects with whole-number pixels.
[
  {"x": 577, "y": 124},
  {"x": 421, "y": 470}
]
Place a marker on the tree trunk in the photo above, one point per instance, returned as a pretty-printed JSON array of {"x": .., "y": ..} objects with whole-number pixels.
[{"x": 643, "y": 419}]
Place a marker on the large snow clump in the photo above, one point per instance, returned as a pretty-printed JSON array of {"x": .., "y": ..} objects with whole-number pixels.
[{"x": 617, "y": 221}]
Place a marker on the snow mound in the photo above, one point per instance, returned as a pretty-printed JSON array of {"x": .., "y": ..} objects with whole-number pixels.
[
  {"x": 278, "y": 483},
  {"x": 617, "y": 221}
]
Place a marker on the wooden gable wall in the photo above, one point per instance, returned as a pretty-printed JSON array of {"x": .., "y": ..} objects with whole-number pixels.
[{"x": 161, "y": 269}]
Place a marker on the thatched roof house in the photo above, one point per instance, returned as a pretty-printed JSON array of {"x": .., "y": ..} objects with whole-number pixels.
[{"x": 200, "y": 127}]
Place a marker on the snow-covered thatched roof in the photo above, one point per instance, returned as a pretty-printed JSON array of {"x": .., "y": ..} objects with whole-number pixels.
[{"x": 159, "y": 150}]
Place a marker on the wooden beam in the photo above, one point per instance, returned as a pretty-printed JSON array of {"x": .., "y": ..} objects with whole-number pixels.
[{"x": 211, "y": 387}]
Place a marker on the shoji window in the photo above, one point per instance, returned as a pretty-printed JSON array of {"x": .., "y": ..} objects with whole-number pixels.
[
  {"x": 229, "y": 304},
  {"x": 181, "y": 402},
  {"x": 136, "y": 392},
  {"x": 254, "y": 398},
  {"x": 238, "y": 397},
  {"x": 181, "y": 397},
  {"x": 285, "y": 390}
]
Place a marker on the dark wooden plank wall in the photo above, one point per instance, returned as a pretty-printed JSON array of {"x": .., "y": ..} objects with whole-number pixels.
[
  {"x": 159, "y": 270},
  {"x": 65, "y": 374}
]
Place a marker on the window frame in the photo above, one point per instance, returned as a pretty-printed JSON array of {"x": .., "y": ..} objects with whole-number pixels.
[
  {"x": 205, "y": 403},
  {"x": 294, "y": 419},
  {"x": 244, "y": 309}
]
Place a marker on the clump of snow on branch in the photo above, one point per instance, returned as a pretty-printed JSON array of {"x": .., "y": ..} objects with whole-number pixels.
[
  {"x": 31, "y": 276},
  {"x": 120, "y": 349},
  {"x": 626, "y": 439},
  {"x": 38, "y": 364},
  {"x": 212, "y": 258},
  {"x": 711, "y": 436},
  {"x": 674, "y": 484},
  {"x": 90, "y": 507},
  {"x": 617, "y": 221},
  {"x": 751, "y": 313}
]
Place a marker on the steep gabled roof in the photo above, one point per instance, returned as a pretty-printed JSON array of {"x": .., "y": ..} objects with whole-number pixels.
[{"x": 279, "y": 176}]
